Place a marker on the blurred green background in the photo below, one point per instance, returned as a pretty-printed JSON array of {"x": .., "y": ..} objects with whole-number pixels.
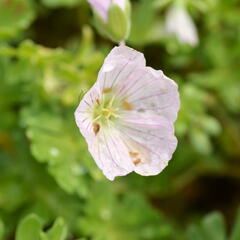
[{"x": 50, "y": 187}]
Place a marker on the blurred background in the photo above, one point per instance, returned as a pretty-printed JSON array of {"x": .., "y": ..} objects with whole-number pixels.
[{"x": 50, "y": 187}]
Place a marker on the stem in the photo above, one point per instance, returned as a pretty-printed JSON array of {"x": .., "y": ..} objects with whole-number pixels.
[{"x": 122, "y": 43}]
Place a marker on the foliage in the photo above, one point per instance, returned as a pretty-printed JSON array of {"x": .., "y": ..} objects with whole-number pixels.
[
  {"x": 51, "y": 189},
  {"x": 212, "y": 226},
  {"x": 30, "y": 228}
]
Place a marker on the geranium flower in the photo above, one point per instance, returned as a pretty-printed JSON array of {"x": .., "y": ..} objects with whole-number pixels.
[
  {"x": 127, "y": 116},
  {"x": 180, "y": 24},
  {"x": 102, "y": 6}
]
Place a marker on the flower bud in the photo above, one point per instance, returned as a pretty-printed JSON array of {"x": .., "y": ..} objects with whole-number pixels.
[
  {"x": 180, "y": 23},
  {"x": 112, "y": 18}
]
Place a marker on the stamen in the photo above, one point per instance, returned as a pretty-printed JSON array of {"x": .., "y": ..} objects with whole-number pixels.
[
  {"x": 107, "y": 90},
  {"x": 137, "y": 161},
  {"x": 133, "y": 154},
  {"x": 127, "y": 106},
  {"x": 96, "y": 128}
]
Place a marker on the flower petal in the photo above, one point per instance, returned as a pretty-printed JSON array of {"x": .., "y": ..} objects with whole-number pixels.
[
  {"x": 101, "y": 7},
  {"x": 119, "y": 66},
  {"x": 151, "y": 90},
  {"x": 83, "y": 114},
  {"x": 111, "y": 154},
  {"x": 155, "y": 135}
]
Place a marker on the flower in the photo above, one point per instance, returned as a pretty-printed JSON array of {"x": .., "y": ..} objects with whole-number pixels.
[
  {"x": 180, "y": 24},
  {"x": 102, "y": 6},
  {"x": 127, "y": 116},
  {"x": 112, "y": 18}
]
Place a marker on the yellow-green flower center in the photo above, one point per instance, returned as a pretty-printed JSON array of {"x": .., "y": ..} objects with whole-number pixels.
[{"x": 106, "y": 109}]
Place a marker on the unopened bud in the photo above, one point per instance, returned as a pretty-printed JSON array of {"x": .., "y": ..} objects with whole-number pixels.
[{"x": 112, "y": 18}]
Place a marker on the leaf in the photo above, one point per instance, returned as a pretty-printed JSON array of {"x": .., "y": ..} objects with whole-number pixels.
[
  {"x": 15, "y": 15},
  {"x": 160, "y": 4},
  {"x": 210, "y": 125},
  {"x": 29, "y": 228},
  {"x": 60, "y": 3},
  {"x": 235, "y": 235},
  {"x": 58, "y": 231},
  {"x": 60, "y": 146},
  {"x": 43, "y": 236},
  {"x": 122, "y": 218},
  {"x": 195, "y": 233},
  {"x": 200, "y": 141},
  {"x": 146, "y": 27},
  {"x": 1, "y": 229},
  {"x": 214, "y": 226}
]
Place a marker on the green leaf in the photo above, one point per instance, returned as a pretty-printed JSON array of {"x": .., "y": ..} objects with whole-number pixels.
[
  {"x": 195, "y": 233},
  {"x": 15, "y": 15},
  {"x": 61, "y": 146},
  {"x": 122, "y": 218},
  {"x": 60, "y": 3},
  {"x": 235, "y": 235},
  {"x": 29, "y": 228},
  {"x": 200, "y": 141},
  {"x": 210, "y": 125},
  {"x": 146, "y": 28},
  {"x": 1, "y": 229},
  {"x": 43, "y": 236},
  {"x": 214, "y": 226},
  {"x": 58, "y": 231},
  {"x": 160, "y": 4}
]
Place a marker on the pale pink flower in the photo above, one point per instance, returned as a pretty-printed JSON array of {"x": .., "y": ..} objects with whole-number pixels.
[
  {"x": 180, "y": 24},
  {"x": 127, "y": 116},
  {"x": 102, "y": 6}
]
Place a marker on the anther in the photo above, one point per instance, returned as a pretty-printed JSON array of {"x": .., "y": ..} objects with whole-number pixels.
[
  {"x": 137, "y": 161},
  {"x": 133, "y": 154},
  {"x": 107, "y": 90},
  {"x": 96, "y": 128},
  {"x": 127, "y": 106}
]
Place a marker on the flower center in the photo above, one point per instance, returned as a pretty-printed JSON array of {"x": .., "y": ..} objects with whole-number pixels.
[
  {"x": 109, "y": 113},
  {"x": 106, "y": 109}
]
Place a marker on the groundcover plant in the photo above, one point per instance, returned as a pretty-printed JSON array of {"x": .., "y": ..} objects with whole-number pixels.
[{"x": 101, "y": 60}]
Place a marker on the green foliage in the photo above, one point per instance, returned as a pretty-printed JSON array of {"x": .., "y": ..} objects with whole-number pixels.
[
  {"x": 211, "y": 227},
  {"x": 31, "y": 228},
  {"x": 60, "y": 3},
  {"x": 53, "y": 141},
  {"x": 15, "y": 15},
  {"x": 46, "y": 172},
  {"x": 1, "y": 229},
  {"x": 145, "y": 29},
  {"x": 236, "y": 228},
  {"x": 121, "y": 218}
]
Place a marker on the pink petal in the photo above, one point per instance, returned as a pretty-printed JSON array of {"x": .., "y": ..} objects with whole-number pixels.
[
  {"x": 155, "y": 134},
  {"x": 120, "y": 65},
  {"x": 83, "y": 115},
  {"x": 111, "y": 154},
  {"x": 148, "y": 90}
]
